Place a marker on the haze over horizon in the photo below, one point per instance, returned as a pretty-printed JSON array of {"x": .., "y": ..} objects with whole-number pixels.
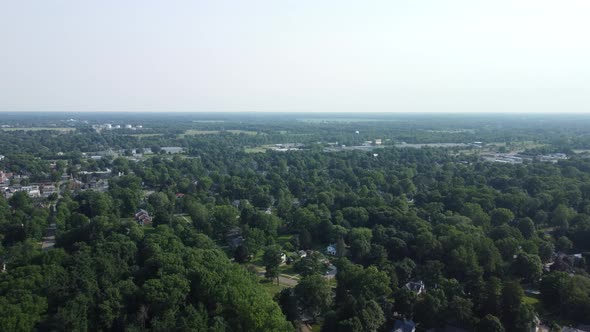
[{"x": 331, "y": 56}]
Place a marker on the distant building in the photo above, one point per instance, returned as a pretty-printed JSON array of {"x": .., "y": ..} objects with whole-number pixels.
[
  {"x": 378, "y": 141},
  {"x": 173, "y": 149},
  {"x": 128, "y": 126},
  {"x": 234, "y": 237},
  {"x": 1, "y": 157},
  {"x": 143, "y": 217},
  {"x": 417, "y": 287},
  {"x": 5, "y": 177},
  {"x": 404, "y": 326},
  {"x": 302, "y": 253},
  {"x": 331, "y": 250},
  {"x": 48, "y": 189}
]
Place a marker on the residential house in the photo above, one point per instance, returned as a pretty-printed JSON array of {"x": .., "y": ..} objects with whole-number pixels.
[
  {"x": 404, "y": 326},
  {"x": 580, "y": 328},
  {"x": 48, "y": 189},
  {"x": 417, "y": 287},
  {"x": 32, "y": 190},
  {"x": 143, "y": 217},
  {"x": 234, "y": 237},
  {"x": 5, "y": 177},
  {"x": 331, "y": 250}
]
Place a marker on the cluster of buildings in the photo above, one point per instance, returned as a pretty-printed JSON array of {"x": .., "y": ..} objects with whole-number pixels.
[
  {"x": 565, "y": 263},
  {"x": 552, "y": 157},
  {"x": 109, "y": 126},
  {"x": 34, "y": 190},
  {"x": 377, "y": 141},
  {"x": 10, "y": 184},
  {"x": 287, "y": 147}
]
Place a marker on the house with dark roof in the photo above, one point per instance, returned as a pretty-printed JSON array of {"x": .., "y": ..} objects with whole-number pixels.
[
  {"x": 417, "y": 287},
  {"x": 143, "y": 217},
  {"x": 404, "y": 326}
]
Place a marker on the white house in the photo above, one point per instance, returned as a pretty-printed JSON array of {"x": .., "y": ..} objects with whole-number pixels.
[
  {"x": 283, "y": 258},
  {"x": 417, "y": 287},
  {"x": 404, "y": 326},
  {"x": 331, "y": 250},
  {"x": 1, "y": 157}
]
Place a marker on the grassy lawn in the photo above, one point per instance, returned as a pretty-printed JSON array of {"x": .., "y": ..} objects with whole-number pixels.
[
  {"x": 533, "y": 301},
  {"x": 316, "y": 327},
  {"x": 247, "y": 132},
  {"x": 184, "y": 217},
  {"x": 287, "y": 269},
  {"x": 284, "y": 239},
  {"x": 144, "y": 135},
  {"x": 147, "y": 229},
  {"x": 271, "y": 287},
  {"x": 257, "y": 259},
  {"x": 258, "y": 149},
  {"x": 192, "y": 132},
  {"x": 530, "y": 300},
  {"x": 200, "y": 132}
]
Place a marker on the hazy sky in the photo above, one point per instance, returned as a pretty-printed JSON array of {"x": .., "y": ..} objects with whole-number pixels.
[{"x": 282, "y": 55}]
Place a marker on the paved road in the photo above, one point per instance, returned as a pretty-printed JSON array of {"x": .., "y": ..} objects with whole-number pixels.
[{"x": 49, "y": 238}]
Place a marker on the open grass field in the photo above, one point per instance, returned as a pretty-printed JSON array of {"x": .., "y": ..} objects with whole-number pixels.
[
  {"x": 191, "y": 132},
  {"x": 144, "y": 135},
  {"x": 194, "y": 132},
  {"x": 271, "y": 287},
  {"x": 63, "y": 130},
  {"x": 258, "y": 149}
]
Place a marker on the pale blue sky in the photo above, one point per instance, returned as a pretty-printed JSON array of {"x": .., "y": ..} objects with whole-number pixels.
[{"x": 280, "y": 55}]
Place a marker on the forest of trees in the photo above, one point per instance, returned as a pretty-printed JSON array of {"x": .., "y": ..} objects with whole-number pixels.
[{"x": 497, "y": 246}]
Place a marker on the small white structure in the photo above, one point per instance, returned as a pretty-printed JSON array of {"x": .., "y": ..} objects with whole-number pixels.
[
  {"x": 404, "y": 326},
  {"x": 1, "y": 157},
  {"x": 331, "y": 250},
  {"x": 302, "y": 253},
  {"x": 128, "y": 126},
  {"x": 378, "y": 141},
  {"x": 417, "y": 287},
  {"x": 283, "y": 258}
]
